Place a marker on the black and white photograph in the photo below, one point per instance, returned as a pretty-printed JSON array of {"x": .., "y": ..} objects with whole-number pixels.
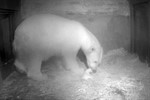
[{"x": 74, "y": 50}]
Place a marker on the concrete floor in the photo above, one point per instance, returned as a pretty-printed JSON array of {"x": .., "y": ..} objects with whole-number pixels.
[{"x": 120, "y": 77}]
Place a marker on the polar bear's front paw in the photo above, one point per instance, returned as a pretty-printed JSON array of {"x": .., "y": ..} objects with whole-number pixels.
[{"x": 39, "y": 77}]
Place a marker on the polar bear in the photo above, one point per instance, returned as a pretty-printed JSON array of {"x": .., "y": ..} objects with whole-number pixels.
[{"x": 42, "y": 36}]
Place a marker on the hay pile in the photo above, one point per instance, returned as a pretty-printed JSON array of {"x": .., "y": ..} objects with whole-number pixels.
[{"x": 120, "y": 77}]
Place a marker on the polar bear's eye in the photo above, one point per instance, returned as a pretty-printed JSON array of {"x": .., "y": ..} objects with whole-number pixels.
[
  {"x": 92, "y": 49},
  {"x": 95, "y": 62}
]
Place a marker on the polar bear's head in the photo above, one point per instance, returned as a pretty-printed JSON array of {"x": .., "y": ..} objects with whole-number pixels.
[
  {"x": 92, "y": 49},
  {"x": 94, "y": 56}
]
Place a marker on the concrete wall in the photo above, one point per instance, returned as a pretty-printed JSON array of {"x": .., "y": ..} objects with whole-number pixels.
[
  {"x": 107, "y": 19},
  {"x": 10, "y": 4}
]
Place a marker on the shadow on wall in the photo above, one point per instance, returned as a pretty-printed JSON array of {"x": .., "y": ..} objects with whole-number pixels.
[{"x": 118, "y": 30}]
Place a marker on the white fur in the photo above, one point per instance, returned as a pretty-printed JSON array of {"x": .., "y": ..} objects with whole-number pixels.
[{"x": 42, "y": 36}]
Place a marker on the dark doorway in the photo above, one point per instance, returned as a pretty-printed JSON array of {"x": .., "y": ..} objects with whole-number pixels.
[
  {"x": 140, "y": 34},
  {"x": 6, "y": 34}
]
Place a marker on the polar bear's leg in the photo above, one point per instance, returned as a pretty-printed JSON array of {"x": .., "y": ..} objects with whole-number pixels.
[
  {"x": 20, "y": 66},
  {"x": 34, "y": 69},
  {"x": 72, "y": 65}
]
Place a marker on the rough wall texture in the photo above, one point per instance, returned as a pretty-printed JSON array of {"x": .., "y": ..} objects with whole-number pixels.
[{"x": 107, "y": 19}]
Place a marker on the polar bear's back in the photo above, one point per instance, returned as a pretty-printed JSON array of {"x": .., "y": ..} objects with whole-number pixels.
[{"x": 48, "y": 32}]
